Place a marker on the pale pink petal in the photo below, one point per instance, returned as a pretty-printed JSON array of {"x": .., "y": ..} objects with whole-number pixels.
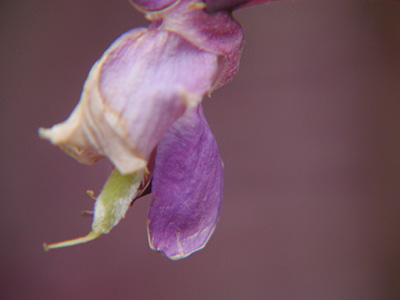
[{"x": 133, "y": 94}]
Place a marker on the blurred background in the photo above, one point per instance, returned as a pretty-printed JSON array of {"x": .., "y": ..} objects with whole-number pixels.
[{"x": 308, "y": 130}]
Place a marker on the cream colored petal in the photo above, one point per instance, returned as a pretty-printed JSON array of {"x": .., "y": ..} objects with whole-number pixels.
[{"x": 94, "y": 130}]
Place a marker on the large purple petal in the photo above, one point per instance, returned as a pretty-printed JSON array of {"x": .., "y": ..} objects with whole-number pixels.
[
  {"x": 134, "y": 93},
  {"x": 187, "y": 187},
  {"x": 152, "y": 80}
]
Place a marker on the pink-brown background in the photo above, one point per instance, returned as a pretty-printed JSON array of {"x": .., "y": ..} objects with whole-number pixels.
[{"x": 308, "y": 129}]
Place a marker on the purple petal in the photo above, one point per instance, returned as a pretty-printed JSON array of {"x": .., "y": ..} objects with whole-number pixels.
[
  {"x": 187, "y": 187},
  {"x": 143, "y": 83},
  {"x": 151, "y": 81},
  {"x": 217, "y": 33}
]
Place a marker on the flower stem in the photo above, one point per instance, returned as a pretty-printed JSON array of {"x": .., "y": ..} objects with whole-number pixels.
[{"x": 91, "y": 236}]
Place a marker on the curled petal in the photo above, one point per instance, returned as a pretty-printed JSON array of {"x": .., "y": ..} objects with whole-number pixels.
[
  {"x": 133, "y": 94},
  {"x": 187, "y": 188}
]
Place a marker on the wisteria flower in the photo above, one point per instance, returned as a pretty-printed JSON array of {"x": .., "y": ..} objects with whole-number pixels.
[{"x": 141, "y": 109}]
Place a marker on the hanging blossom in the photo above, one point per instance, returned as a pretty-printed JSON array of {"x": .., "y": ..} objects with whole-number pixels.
[{"x": 141, "y": 109}]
